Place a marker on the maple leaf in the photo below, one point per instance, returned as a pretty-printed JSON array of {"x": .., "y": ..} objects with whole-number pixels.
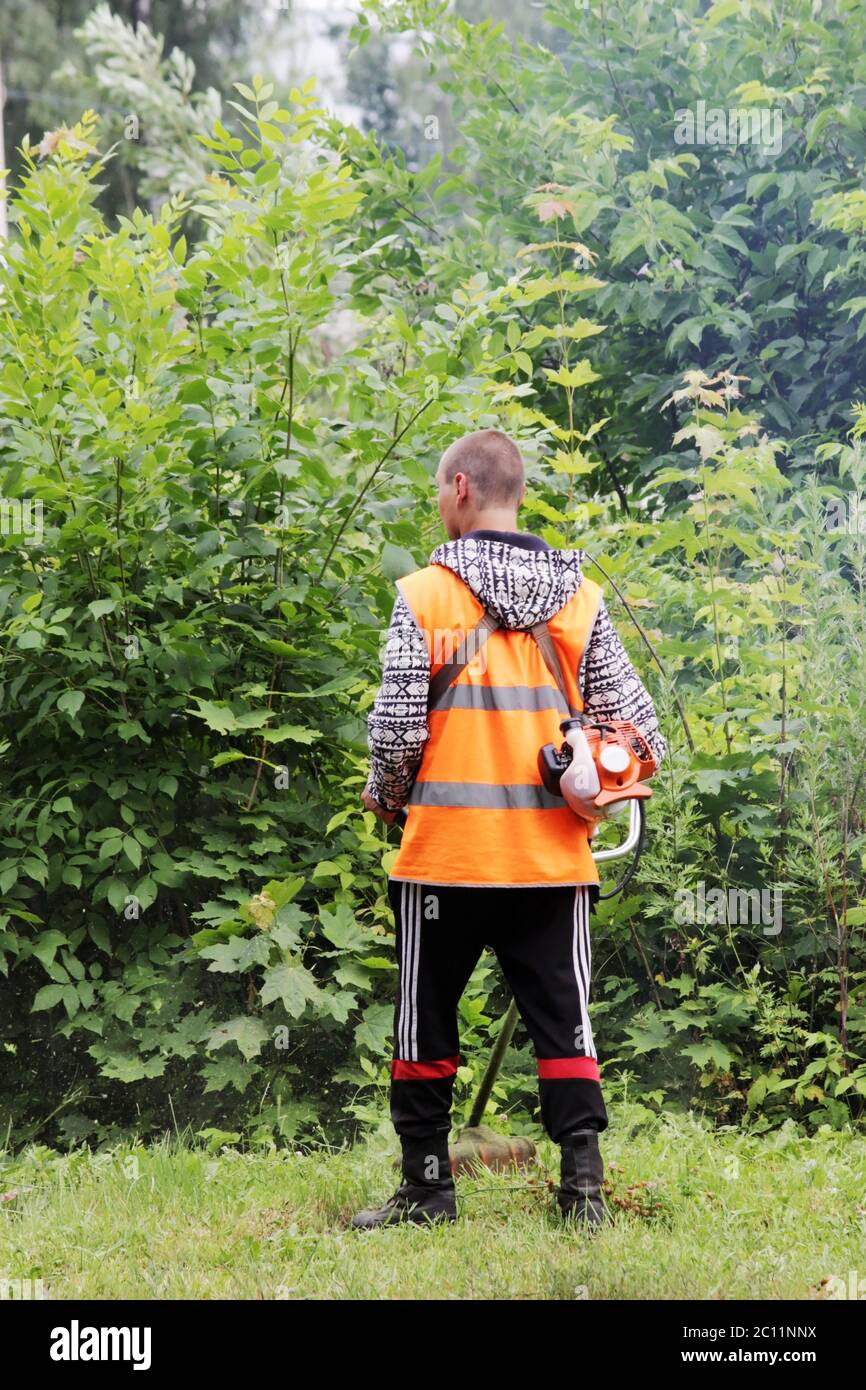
[
  {"x": 553, "y": 207},
  {"x": 50, "y": 140}
]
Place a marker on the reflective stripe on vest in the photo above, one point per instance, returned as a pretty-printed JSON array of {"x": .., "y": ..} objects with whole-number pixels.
[
  {"x": 478, "y": 813},
  {"x": 495, "y": 796},
  {"x": 503, "y": 697}
]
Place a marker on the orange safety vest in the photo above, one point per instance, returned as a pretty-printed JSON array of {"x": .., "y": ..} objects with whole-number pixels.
[{"x": 478, "y": 814}]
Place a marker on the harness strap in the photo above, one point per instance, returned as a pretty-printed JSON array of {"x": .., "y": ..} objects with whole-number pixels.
[
  {"x": 469, "y": 648},
  {"x": 476, "y": 639},
  {"x": 547, "y": 647}
]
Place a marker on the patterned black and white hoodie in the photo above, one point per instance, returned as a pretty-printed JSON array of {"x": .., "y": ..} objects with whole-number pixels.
[{"x": 522, "y": 581}]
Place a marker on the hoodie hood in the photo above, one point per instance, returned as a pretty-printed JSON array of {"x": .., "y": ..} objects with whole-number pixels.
[{"x": 519, "y": 586}]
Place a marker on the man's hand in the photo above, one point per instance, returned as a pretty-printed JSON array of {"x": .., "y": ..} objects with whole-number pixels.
[{"x": 371, "y": 804}]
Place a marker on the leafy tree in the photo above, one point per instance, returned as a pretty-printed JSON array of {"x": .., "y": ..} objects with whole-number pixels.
[
  {"x": 46, "y": 78},
  {"x": 717, "y": 256}
]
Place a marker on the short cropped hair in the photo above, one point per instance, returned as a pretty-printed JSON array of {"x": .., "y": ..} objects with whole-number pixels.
[{"x": 492, "y": 463}]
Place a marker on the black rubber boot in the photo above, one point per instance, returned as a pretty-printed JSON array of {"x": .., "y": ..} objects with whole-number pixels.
[
  {"x": 427, "y": 1192},
  {"x": 579, "y": 1195}
]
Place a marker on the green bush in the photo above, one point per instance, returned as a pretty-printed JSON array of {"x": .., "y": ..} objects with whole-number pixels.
[{"x": 192, "y": 632}]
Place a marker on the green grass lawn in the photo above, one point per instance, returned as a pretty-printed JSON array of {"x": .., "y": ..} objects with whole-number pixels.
[{"x": 728, "y": 1215}]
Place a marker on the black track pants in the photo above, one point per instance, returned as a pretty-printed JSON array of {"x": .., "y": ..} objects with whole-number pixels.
[{"x": 540, "y": 937}]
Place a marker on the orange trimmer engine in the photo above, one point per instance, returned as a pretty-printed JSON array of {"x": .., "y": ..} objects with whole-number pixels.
[{"x": 621, "y": 760}]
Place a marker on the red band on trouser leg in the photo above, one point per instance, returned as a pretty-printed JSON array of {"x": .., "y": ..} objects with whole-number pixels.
[
  {"x": 556, "y": 1068},
  {"x": 423, "y": 1071}
]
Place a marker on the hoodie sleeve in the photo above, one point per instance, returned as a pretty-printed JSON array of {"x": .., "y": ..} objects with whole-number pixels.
[
  {"x": 397, "y": 724},
  {"x": 612, "y": 688}
]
